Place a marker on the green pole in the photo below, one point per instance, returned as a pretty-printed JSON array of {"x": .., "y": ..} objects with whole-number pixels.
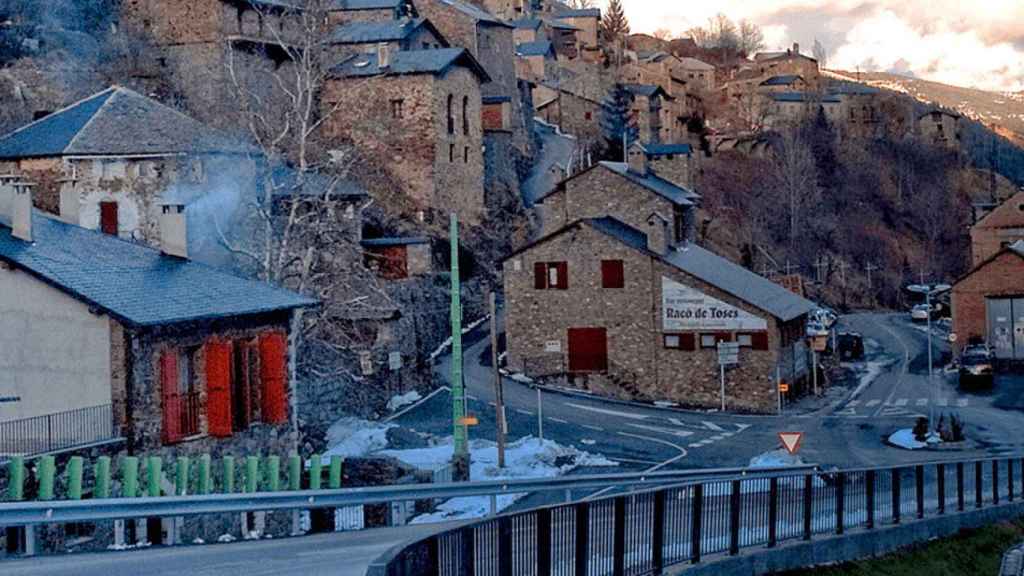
[
  {"x": 45, "y": 472},
  {"x": 294, "y": 472},
  {"x": 273, "y": 479},
  {"x": 252, "y": 473},
  {"x": 130, "y": 477},
  {"x": 102, "y": 470},
  {"x": 204, "y": 474},
  {"x": 315, "y": 472},
  {"x": 16, "y": 471},
  {"x": 458, "y": 388},
  {"x": 154, "y": 470},
  {"x": 181, "y": 476},
  {"x": 75, "y": 477},
  {"x": 229, "y": 474},
  {"x": 334, "y": 475}
]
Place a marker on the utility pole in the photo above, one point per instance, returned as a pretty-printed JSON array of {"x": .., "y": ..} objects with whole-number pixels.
[
  {"x": 819, "y": 264},
  {"x": 869, "y": 269},
  {"x": 499, "y": 392},
  {"x": 460, "y": 458}
]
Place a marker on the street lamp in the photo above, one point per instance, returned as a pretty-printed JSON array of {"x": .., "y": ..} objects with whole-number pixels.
[{"x": 929, "y": 291}]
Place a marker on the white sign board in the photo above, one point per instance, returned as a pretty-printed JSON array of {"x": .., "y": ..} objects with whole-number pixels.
[
  {"x": 553, "y": 346},
  {"x": 395, "y": 360},
  {"x": 728, "y": 353},
  {"x": 683, "y": 308}
]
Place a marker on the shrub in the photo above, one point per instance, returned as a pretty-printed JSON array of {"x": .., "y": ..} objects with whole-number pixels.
[{"x": 921, "y": 429}]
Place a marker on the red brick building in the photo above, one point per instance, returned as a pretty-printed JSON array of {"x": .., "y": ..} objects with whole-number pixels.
[
  {"x": 988, "y": 304},
  {"x": 998, "y": 229}
]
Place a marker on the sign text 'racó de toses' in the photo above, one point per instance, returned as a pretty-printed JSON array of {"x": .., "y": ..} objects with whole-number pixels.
[{"x": 684, "y": 308}]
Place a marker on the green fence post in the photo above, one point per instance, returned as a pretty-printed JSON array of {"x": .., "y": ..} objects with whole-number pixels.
[
  {"x": 229, "y": 474},
  {"x": 334, "y": 476},
  {"x": 204, "y": 474},
  {"x": 154, "y": 466},
  {"x": 102, "y": 471},
  {"x": 16, "y": 471},
  {"x": 315, "y": 472},
  {"x": 74, "y": 470},
  {"x": 181, "y": 476},
  {"x": 45, "y": 471},
  {"x": 294, "y": 472},
  {"x": 130, "y": 477},
  {"x": 252, "y": 473},
  {"x": 273, "y": 473}
]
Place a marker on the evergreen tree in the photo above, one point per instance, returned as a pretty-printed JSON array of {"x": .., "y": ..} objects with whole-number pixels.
[
  {"x": 615, "y": 26},
  {"x": 616, "y": 121}
]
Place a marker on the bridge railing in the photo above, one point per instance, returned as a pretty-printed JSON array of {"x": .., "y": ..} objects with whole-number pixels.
[{"x": 643, "y": 533}]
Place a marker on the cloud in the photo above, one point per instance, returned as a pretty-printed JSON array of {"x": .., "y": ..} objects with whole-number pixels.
[{"x": 950, "y": 41}]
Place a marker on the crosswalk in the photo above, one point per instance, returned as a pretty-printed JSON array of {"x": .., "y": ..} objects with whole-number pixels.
[{"x": 858, "y": 408}]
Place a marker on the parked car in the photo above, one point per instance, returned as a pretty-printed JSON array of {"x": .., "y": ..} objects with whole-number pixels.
[
  {"x": 976, "y": 366},
  {"x": 920, "y": 313},
  {"x": 851, "y": 346},
  {"x": 825, "y": 317},
  {"x": 816, "y": 329}
]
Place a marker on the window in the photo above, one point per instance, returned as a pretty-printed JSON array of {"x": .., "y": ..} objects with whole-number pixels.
[
  {"x": 551, "y": 276},
  {"x": 465, "y": 115},
  {"x": 712, "y": 340},
  {"x": 396, "y": 108},
  {"x": 612, "y": 274},
  {"x": 108, "y": 218},
  {"x": 451, "y": 114},
  {"x": 179, "y": 396},
  {"x": 245, "y": 391},
  {"x": 687, "y": 342},
  {"x": 745, "y": 340},
  {"x": 465, "y": 155},
  {"x": 753, "y": 340},
  {"x": 451, "y": 152},
  {"x": 587, "y": 115}
]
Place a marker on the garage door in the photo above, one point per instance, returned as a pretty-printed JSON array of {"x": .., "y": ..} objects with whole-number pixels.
[
  {"x": 1000, "y": 327},
  {"x": 588, "y": 350}
]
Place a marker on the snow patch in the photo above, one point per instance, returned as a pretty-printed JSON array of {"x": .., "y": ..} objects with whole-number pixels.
[
  {"x": 448, "y": 342},
  {"x": 351, "y": 437},
  {"x": 525, "y": 458},
  {"x": 775, "y": 459},
  {"x": 905, "y": 439},
  {"x": 399, "y": 401},
  {"x": 521, "y": 378},
  {"x": 225, "y": 538}
]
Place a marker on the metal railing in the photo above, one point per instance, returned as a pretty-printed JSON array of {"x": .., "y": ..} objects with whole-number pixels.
[
  {"x": 57, "y": 431},
  {"x": 643, "y": 533}
]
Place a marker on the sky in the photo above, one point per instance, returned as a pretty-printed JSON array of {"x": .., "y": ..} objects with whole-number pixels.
[{"x": 972, "y": 43}]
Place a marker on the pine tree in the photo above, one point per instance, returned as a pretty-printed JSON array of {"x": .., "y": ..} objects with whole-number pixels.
[
  {"x": 616, "y": 120},
  {"x": 615, "y": 26}
]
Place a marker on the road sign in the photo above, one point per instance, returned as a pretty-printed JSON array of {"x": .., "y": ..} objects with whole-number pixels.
[
  {"x": 952, "y": 336},
  {"x": 728, "y": 353},
  {"x": 791, "y": 441},
  {"x": 783, "y": 387},
  {"x": 468, "y": 421}
]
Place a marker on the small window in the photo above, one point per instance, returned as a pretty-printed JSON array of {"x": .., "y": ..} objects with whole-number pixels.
[
  {"x": 612, "y": 274},
  {"x": 396, "y": 108},
  {"x": 465, "y": 155},
  {"x": 672, "y": 341},
  {"x": 465, "y": 115},
  {"x": 108, "y": 218},
  {"x": 451, "y": 152},
  {"x": 551, "y": 276},
  {"x": 745, "y": 340},
  {"x": 587, "y": 115},
  {"x": 685, "y": 342},
  {"x": 708, "y": 341}
]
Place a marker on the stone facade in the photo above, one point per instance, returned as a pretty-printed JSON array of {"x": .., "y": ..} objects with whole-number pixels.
[
  {"x": 940, "y": 128},
  {"x": 1000, "y": 276},
  {"x": 640, "y": 366},
  {"x": 998, "y": 229},
  {"x": 424, "y": 128},
  {"x": 573, "y": 114}
]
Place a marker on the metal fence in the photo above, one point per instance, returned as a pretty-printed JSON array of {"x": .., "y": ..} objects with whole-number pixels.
[
  {"x": 57, "y": 431},
  {"x": 642, "y": 533}
]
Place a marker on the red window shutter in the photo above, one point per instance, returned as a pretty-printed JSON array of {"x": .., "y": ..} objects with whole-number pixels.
[
  {"x": 540, "y": 276},
  {"x": 723, "y": 337},
  {"x": 169, "y": 396},
  {"x": 563, "y": 275},
  {"x": 273, "y": 368},
  {"x": 612, "y": 274},
  {"x": 759, "y": 340},
  {"x": 688, "y": 342},
  {"x": 108, "y": 218},
  {"x": 218, "y": 387}
]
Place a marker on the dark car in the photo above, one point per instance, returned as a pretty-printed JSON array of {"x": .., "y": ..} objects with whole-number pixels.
[
  {"x": 976, "y": 367},
  {"x": 851, "y": 346}
]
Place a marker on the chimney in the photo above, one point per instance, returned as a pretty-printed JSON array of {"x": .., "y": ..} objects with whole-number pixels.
[
  {"x": 383, "y": 55},
  {"x": 21, "y": 211},
  {"x": 796, "y": 48},
  {"x": 7, "y": 196},
  {"x": 657, "y": 234},
  {"x": 636, "y": 158},
  {"x": 173, "y": 230},
  {"x": 70, "y": 201}
]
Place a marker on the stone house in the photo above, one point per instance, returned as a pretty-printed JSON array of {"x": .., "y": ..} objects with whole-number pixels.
[
  {"x": 785, "y": 83},
  {"x": 527, "y": 30},
  {"x": 699, "y": 75},
  {"x": 150, "y": 345},
  {"x": 110, "y": 159},
  {"x": 420, "y": 113},
  {"x": 785, "y": 109},
  {"x": 564, "y": 38},
  {"x": 368, "y": 36},
  {"x": 626, "y": 312},
  {"x": 987, "y": 305},
  {"x": 629, "y": 192},
  {"x": 395, "y": 258},
  {"x": 341, "y": 11},
  {"x": 998, "y": 229},
  {"x": 649, "y": 104},
  {"x": 861, "y": 111},
  {"x": 940, "y": 128},
  {"x": 676, "y": 163},
  {"x": 507, "y": 9},
  {"x": 587, "y": 22},
  {"x": 788, "y": 63},
  {"x": 572, "y": 112},
  {"x": 534, "y": 60}
]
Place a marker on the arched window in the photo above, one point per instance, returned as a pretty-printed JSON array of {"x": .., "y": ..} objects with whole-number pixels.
[
  {"x": 451, "y": 115},
  {"x": 465, "y": 115}
]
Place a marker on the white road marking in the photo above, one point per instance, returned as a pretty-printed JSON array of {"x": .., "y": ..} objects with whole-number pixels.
[
  {"x": 943, "y": 402},
  {"x": 610, "y": 412},
  {"x": 741, "y": 427},
  {"x": 680, "y": 456},
  {"x": 589, "y": 427},
  {"x": 471, "y": 397},
  {"x": 716, "y": 437},
  {"x": 417, "y": 404},
  {"x": 922, "y": 402},
  {"x": 662, "y": 430},
  {"x": 847, "y": 412},
  {"x": 873, "y": 403},
  {"x": 524, "y": 412},
  {"x": 559, "y": 420},
  {"x": 853, "y": 403},
  {"x": 726, "y": 434},
  {"x": 588, "y": 441},
  {"x": 901, "y": 402},
  {"x": 712, "y": 426},
  {"x": 962, "y": 402}
]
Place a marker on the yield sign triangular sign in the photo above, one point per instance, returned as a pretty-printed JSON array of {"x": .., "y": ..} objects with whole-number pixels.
[{"x": 791, "y": 441}]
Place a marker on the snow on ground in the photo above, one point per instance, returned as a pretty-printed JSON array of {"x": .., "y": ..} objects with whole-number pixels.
[
  {"x": 400, "y": 401},
  {"x": 350, "y": 437},
  {"x": 775, "y": 459},
  {"x": 525, "y": 458},
  {"x": 904, "y": 438},
  {"x": 448, "y": 342}
]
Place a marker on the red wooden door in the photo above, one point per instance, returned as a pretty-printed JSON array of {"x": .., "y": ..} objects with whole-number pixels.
[
  {"x": 108, "y": 218},
  {"x": 588, "y": 350},
  {"x": 170, "y": 396}
]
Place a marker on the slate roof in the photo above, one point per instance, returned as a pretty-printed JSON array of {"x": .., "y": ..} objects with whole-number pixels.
[
  {"x": 538, "y": 48},
  {"x": 784, "y": 80},
  {"x": 527, "y": 23},
  {"x": 651, "y": 181},
  {"x": 386, "y": 31},
  {"x": 495, "y": 99},
  {"x": 116, "y": 122},
  {"x": 560, "y": 25},
  {"x": 803, "y": 97},
  {"x": 342, "y": 5},
  {"x": 316, "y": 184},
  {"x": 664, "y": 149},
  {"x": 395, "y": 241},
  {"x": 619, "y": 230},
  {"x": 134, "y": 283},
  {"x": 652, "y": 56},
  {"x": 579, "y": 13},
  {"x": 410, "y": 62},
  {"x": 648, "y": 90},
  {"x": 852, "y": 88},
  {"x": 477, "y": 13},
  {"x": 694, "y": 64}
]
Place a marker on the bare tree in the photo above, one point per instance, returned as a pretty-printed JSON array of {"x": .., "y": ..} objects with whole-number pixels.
[
  {"x": 580, "y": 4},
  {"x": 751, "y": 38},
  {"x": 820, "y": 53},
  {"x": 663, "y": 34},
  {"x": 796, "y": 179}
]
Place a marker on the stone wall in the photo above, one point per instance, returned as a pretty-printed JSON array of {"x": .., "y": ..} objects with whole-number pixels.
[
  {"x": 676, "y": 168},
  {"x": 572, "y": 114},
  {"x": 458, "y": 160},
  {"x": 1003, "y": 276}
]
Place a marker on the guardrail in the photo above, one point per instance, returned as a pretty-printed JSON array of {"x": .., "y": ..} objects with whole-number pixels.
[
  {"x": 97, "y": 509},
  {"x": 57, "y": 431},
  {"x": 643, "y": 533}
]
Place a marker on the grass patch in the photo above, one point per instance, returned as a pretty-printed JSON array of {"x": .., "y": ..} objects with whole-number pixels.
[{"x": 970, "y": 552}]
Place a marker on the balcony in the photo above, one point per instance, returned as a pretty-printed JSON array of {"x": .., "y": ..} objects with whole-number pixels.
[{"x": 58, "y": 432}]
